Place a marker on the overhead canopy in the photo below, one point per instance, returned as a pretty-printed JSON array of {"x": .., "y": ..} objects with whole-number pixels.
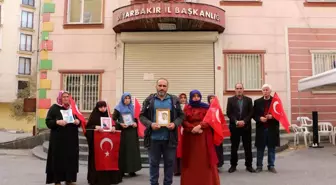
[
  {"x": 168, "y": 17},
  {"x": 322, "y": 82}
]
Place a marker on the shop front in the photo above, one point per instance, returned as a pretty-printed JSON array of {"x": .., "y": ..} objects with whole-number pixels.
[{"x": 177, "y": 41}]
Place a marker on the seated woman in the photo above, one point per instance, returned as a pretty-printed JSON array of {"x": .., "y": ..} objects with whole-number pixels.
[
  {"x": 199, "y": 160},
  {"x": 95, "y": 177}
]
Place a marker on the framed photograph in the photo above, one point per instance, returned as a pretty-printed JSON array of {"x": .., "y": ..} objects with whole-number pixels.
[
  {"x": 106, "y": 124},
  {"x": 67, "y": 116},
  {"x": 163, "y": 117},
  {"x": 128, "y": 119}
]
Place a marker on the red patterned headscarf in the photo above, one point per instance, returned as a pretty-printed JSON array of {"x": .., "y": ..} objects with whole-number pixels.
[{"x": 59, "y": 100}]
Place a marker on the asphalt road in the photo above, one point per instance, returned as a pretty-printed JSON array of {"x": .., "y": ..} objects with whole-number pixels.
[{"x": 294, "y": 166}]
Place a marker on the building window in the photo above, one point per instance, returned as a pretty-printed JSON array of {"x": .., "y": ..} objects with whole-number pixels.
[
  {"x": 244, "y": 68},
  {"x": 323, "y": 61},
  {"x": 28, "y": 2},
  {"x": 26, "y": 42},
  {"x": 84, "y": 88},
  {"x": 22, "y": 85},
  {"x": 27, "y": 19},
  {"x": 24, "y": 66},
  {"x": 85, "y": 12}
]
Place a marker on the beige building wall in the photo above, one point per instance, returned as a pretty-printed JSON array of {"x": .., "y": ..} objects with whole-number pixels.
[{"x": 10, "y": 30}]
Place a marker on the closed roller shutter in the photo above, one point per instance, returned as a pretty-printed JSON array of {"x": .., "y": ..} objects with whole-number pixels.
[{"x": 186, "y": 66}]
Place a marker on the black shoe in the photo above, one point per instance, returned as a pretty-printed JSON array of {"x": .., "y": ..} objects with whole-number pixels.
[
  {"x": 250, "y": 169},
  {"x": 258, "y": 170},
  {"x": 272, "y": 169},
  {"x": 232, "y": 169},
  {"x": 177, "y": 174},
  {"x": 132, "y": 174}
]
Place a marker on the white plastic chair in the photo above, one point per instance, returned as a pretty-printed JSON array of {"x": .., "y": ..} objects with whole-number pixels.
[
  {"x": 305, "y": 121},
  {"x": 300, "y": 131},
  {"x": 325, "y": 129}
]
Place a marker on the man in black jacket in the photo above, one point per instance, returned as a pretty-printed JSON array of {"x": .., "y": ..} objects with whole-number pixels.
[
  {"x": 267, "y": 129},
  {"x": 161, "y": 140},
  {"x": 239, "y": 110}
]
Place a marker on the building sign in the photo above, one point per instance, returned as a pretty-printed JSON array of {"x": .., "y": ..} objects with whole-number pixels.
[
  {"x": 137, "y": 15},
  {"x": 166, "y": 10}
]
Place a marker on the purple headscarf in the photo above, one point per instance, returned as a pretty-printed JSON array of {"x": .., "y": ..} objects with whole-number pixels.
[{"x": 198, "y": 103}]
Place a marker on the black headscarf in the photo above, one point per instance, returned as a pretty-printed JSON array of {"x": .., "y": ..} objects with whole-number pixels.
[{"x": 94, "y": 119}]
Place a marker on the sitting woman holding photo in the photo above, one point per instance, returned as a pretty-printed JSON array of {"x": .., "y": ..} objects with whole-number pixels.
[
  {"x": 95, "y": 177},
  {"x": 129, "y": 152}
]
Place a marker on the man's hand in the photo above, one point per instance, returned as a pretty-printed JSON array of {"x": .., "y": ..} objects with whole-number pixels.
[
  {"x": 240, "y": 124},
  {"x": 171, "y": 126},
  {"x": 263, "y": 119},
  {"x": 155, "y": 126},
  {"x": 76, "y": 122},
  {"x": 61, "y": 123}
]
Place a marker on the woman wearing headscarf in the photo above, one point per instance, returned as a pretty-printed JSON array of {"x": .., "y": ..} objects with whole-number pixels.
[
  {"x": 177, "y": 169},
  {"x": 63, "y": 152},
  {"x": 95, "y": 177},
  {"x": 199, "y": 160},
  {"x": 219, "y": 148},
  {"x": 129, "y": 152}
]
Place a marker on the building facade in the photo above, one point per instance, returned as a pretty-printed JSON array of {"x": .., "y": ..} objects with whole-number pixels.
[
  {"x": 19, "y": 28},
  {"x": 99, "y": 49}
]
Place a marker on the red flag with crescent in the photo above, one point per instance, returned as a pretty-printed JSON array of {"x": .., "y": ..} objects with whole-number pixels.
[
  {"x": 137, "y": 110},
  {"x": 106, "y": 150},
  {"x": 77, "y": 113},
  {"x": 214, "y": 117},
  {"x": 278, "y": 112}
]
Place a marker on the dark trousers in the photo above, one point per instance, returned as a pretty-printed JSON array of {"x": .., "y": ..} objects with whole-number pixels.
[
  {"x": 220, "y": 155},
  {"x": 156, "y": 149},
  {"x": 177, "y": 169},
  {"x": 245, "y": 134},
  {"x": 261, "y": 151}
]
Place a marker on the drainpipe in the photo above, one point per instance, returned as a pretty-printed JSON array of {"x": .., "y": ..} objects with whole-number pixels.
[{"x": 37, "y": 66}]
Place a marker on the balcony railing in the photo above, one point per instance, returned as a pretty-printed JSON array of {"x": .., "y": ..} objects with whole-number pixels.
[{"x": 323, "y": 62}]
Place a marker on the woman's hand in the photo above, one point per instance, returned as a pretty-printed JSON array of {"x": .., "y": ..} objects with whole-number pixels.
[
  {"x": 200, "y": 131},
  {"x": 76, "y": 122},
  {"x": 98, "y": 128},
  {"x": 196, "y": 129},
  {"x": 134, "y": 125},
  {"x": 123, "y": 125},
  {"x": 61, "y": 123},
  {"x": 113, "y": 129}
]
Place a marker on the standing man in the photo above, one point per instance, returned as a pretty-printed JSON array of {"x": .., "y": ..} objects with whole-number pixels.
[
  {"x": 161, "y": 140},
  {"x": 267, "y": 129},
  {"x": 240, "y": 110}
]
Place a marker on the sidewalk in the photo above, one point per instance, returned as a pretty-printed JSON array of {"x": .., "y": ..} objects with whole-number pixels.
[{"x": 7, "y": 135}]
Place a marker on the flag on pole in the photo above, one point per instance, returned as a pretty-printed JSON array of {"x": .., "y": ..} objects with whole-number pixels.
[
  {"x": 109, "y": 113},
  {"x": 278, "y": 112},
  {"x": 77, "y": 113},
  {"x": 137, "y": 110},
  {"x": 106, "y": 150}
]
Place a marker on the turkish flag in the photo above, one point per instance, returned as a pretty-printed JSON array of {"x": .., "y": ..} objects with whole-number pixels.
[
  {"x": 215, "y": 118},
  {"x": 77, "y": 113},
  {"x": 278, "y": 112},
  {"x": 106, "y": 150},
  {"x": 137, "y": 110}
]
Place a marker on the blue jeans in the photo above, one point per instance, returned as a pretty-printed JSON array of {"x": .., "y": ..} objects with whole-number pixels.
[
  {"x": 156, "y": 149},
  {"x": 261, "y": 151}
]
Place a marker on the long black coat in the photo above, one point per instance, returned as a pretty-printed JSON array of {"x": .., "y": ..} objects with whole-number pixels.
[
  {"x": 62, "y": 161},
  {"x": 273, "y": 126}
]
